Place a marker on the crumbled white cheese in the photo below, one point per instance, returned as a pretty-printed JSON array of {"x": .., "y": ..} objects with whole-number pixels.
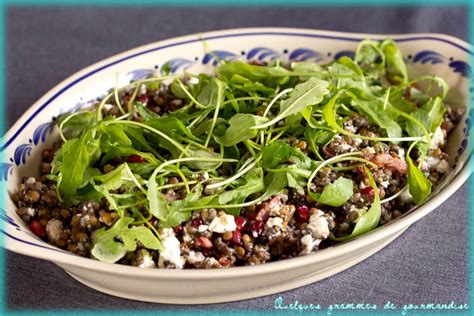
[
  {"x": 222, "y": 224},
  {"x": 193, "y": 80},
  {"x": 437, "y": 139},
  {"x": 85, "y": 220},
  {"x": 275, "y": 206},
  {"x": 442, "y": 166},
  {"x": 108, "y": 106},
  {"x": 318, "y": 225},
  {"x": 405, "y": 196},
  {"x": 401, "y": 153},
  {"x": 142, "y": 89},
  {"x": 385, "y": 183},
  {"x": 195, "y": 257},
  {"x": 308, "y": 244},
  {"x": 202, "y": 228},
  {"x": 31, "y": 211},
  {"x": 350, "y": 128},
  {"x": 283, "y": 197},
  {"x": 345, "y": 147},
  {"x": 432, "y": 161},
  {"x": 54, "y": 228},
  {"x": 358, "y": 141},
  {"x": 171, "y": 252},
  {"x": 187, "y": 238},
  {"x": 275, "y": 221},
  {"x": 428, "y": 163},
  {"x": 30, "y": 180},
  {"x": 370, "y": 150},
  {"x": 148, "y": 262},
  {"x": 362, "y": 185}
]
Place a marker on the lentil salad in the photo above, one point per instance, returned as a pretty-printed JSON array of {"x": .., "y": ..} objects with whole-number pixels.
[{"x": 259, "y": 163}]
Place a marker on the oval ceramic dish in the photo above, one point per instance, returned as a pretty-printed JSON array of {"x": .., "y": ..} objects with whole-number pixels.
[{"x": 426, "y": 54}]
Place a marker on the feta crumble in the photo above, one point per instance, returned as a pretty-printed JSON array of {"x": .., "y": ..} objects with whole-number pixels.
[
  {"x": 194, "y": 80},
  {"x": 195, "y": 257},
  {"x": 31, "y": 211},
  {"x": 405, "y": 196},
  {"x": 222, "y": 224},
  {"x": 202, "y": 228},
  {"x": 275, "y": 221},
  {"x": 308, "y": 244},
  {"x": 171, "y": 252},
  {"x": 147, "y": 262},
  {"x": 442, "y": 166},
  {"x": 318, "y": 225},
  {"x": 437, "y": 139}
]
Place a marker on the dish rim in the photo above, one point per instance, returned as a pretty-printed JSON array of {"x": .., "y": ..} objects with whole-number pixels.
[{"x": 380, "y": 233}]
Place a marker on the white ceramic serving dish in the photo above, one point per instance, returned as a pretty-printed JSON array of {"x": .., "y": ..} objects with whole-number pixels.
[{"x": 21, "y": 146}]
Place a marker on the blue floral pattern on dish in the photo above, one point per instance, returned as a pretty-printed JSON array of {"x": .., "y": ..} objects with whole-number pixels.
[
  {"x": 140, "y": 74},
  {"x": 7, "y": 219},
  {"x": 5, "y": 170},
  {"x": 348, "y": 53},
  {"x": 41, "y": 132},
  {"x": 429, "y": 56},
  {"x": 262, "y": 54},
  {"x": 461, "y": 67},
  {"x": 21, "y": 152},
  {"x": 217, "y": 55},
  {"x": 178, "y": 63},
  {"x": 305, "y": 54}
]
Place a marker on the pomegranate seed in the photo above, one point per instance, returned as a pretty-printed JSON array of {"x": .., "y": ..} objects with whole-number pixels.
[
  {"x": 256, "y": 228},
  {"x": 205, "y": 242},
  {"x": 37, "y": 229},
  {"x": 236, "y": 238},
  {"x": 135, "y": 159},
  {"x": 303, "y": 213},
  {"x": 224, "y": 261},
  {"x": 142, "y": 99},
  {"x": 369, "y": 191},
  {"x": 196, "y": 222},
  {"x": 178, "y": 229},
  {"x": 240, "y": 222}
]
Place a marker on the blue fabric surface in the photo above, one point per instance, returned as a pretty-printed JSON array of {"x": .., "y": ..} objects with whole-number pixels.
[{"x": 427, "y": 264}]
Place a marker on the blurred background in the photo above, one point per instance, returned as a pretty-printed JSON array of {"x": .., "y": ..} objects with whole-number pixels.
[{"x": 427, "y": 264}]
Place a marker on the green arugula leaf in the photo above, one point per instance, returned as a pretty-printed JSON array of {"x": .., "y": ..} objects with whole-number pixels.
[
  {"x": 396, "y": 70},
  {"x": 144, "y": 112},
  {"x": 370, "y": 219},
  {"x": 336, "y": 193},
  {"x": 171, "y": 126},
  {"x": 269, "y": 76},
  {"x": 77, "y": 155},
  {"x": 435, "y": 110},
  {"x": 239, "y": 130},
  {"x": 307, "y": 93},
  {"x": 317, "y": 138},
  {"x": 76, "y": 123},
  {"x": 275, "y": 182},
  {"x": 346, "y": 74},
  {"x": 106, "y": 247},
  {"x": 295, "y": 178},
  {"x": 380, "y": 116},
  {"x": 275, "y": 154},
  {"x": 418, "y": 184},
  {"x": 115, "y": 135},
  {"x": 253, "y": 183}
]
